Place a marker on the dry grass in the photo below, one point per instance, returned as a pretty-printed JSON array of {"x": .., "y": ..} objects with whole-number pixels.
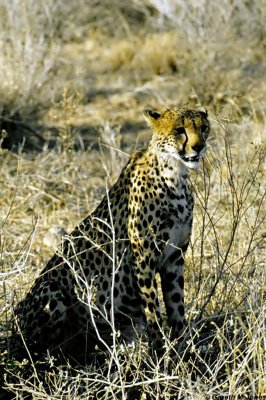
[{"x": 76, "y": 75}]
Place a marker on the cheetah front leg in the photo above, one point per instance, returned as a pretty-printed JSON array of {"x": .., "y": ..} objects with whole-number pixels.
[
  {"x": 146, "y": 256},
  {"x": 172, "y": 281}
]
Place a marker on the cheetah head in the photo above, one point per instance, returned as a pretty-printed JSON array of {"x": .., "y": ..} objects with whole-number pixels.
[{"x": 180, "y": 133}]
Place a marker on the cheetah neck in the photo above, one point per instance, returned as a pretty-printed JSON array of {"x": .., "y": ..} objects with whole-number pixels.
[{"x": 172, "y": 170}]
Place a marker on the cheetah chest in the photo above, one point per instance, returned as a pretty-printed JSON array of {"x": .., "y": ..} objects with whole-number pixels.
[{"x": 181, "y": 222}]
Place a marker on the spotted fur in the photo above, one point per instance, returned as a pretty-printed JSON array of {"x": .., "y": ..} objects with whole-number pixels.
[{"x": 141, "y": 227}]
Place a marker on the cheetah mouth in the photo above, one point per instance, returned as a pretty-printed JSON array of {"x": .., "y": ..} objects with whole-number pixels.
[{"x": 194, "y": 159}]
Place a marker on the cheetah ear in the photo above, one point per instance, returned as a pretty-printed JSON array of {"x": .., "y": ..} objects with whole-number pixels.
[{"x": 151, "y": 116}]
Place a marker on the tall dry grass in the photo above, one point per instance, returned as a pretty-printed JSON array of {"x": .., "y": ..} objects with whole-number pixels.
[
  {"x": 223, "y": 349},
  {"x": 28, "y": 52}
]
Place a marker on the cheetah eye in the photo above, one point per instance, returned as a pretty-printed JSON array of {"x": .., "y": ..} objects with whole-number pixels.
[
  {"x": 180, "y": 131},
  {"x": 204, "y": 128}
]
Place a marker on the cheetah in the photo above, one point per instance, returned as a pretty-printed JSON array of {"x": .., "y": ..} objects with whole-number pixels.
[{"x": 104, "y": 272}]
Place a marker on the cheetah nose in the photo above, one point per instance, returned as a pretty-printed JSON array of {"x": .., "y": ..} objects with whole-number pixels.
[{"x": 198, "y": 147}]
